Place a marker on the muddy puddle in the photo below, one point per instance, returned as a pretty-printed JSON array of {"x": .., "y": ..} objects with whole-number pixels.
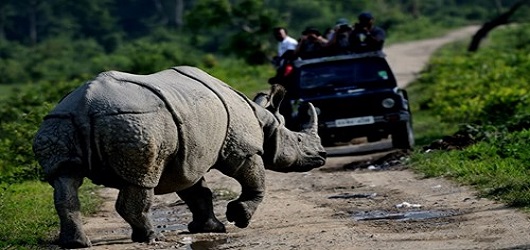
[
  {"x": 171, "y": 220},
  {"x": 401, "y": 216},
  {"x": 166, "y": 220},
  {"x": 205, "y": 245},
  {"x": 353, "y": 196}
]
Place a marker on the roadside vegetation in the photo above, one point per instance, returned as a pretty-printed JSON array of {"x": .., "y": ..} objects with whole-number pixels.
[
  {"x": 479, "y": 104},
  {"x": 73, "y": 41},
  {"x": 29, "y": 219}
]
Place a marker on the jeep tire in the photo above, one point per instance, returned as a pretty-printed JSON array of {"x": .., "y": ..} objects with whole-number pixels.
[{"x": 402, "y": 136}]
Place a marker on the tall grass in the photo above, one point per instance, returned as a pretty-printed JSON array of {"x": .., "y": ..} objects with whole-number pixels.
[{"x": 27, "y": 214}]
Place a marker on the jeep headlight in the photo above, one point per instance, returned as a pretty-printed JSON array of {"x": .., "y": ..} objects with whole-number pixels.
[{"x": 388, "y": 103}]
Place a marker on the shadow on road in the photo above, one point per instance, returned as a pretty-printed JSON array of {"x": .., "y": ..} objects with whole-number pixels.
[
  {"x": 373, "y": 156},
  {"x": 360, "y": 149}
]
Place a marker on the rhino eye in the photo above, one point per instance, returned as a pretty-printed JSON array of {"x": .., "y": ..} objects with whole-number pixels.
[{"x": 299, "y": 139}]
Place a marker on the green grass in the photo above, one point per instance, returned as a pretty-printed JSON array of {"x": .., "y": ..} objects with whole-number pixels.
[
  {"x": 428, "y": 128},
  {"x": 497, "y": 165},
  {"x": 501, "y": 178},
  {"x": 28, "y": 217}
]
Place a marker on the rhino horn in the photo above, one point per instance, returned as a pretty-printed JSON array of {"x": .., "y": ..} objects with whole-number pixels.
[{"x": 312, "y": 125}]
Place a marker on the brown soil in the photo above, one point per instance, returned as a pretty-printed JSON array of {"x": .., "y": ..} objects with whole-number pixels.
[{"x": 359, "y": 201}]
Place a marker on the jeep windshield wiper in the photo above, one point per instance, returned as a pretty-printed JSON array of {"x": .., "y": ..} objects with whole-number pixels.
[
  {"x": 346, "y": 88},
  {"x": 316, "y": 86}
]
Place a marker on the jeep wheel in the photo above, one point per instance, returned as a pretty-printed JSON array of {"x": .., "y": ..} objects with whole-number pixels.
[{"x": 403, "y": 137}]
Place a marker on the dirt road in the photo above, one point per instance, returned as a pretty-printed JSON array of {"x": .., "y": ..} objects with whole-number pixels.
[{"x": 340, "y": 208}]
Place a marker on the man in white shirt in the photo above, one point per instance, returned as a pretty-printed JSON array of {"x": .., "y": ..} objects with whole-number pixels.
[{"x": 285, "y": 42}]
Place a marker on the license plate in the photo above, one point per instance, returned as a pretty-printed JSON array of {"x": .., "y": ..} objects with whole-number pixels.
[{"x": 354, "y": 121}]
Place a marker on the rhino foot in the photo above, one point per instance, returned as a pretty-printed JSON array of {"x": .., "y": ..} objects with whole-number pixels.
[
  {"x": 210, "y": 226},
  {"x": 146, "y": 237},
  {"x": 238, "y": 212}
]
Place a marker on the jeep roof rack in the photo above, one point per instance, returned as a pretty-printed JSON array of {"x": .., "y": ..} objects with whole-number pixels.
[{"x": 299, "y": 63}]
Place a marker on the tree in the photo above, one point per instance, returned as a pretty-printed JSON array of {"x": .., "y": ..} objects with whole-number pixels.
[
  {"x": 246, "y": 23},
  {"x": 31, "y": 18},
  {"x": 179, "y": 13},
  {"x": 6, "y": 11},
  {"x": 502, "y": 19}
]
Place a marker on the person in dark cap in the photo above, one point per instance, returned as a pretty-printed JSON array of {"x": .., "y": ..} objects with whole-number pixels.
[
  {"x": 339, "y": 42},
  {"x": 366, "y": 36},
  {"x": 331, "y": 31},
  {"x": 311, "y": 44}
]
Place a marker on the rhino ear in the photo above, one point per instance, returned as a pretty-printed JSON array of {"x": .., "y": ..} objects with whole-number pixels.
[
  {"x": 276, "y": 96},
  {"x": 262, "y": 99}
]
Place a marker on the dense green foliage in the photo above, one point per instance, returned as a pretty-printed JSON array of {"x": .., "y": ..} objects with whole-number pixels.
[
  {"x": 60, "y": 59},
  {"x": 487, "y": 91},
  {"x": 21, "y": 113},
  {"x": 110, "y": 22},
  {"x": 486, "y": 87},
  {"x": 60, "y": 40}
]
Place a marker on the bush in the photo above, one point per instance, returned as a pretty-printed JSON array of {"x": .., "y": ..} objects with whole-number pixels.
[
  {"x": 64, "y": 59},
  {"x": 247, "y": 79},
  {"x": 146, "y": 57},
  {"x": 13, "y": 60},
  {"x": 487, "y": 87},
  {"x": 21, "y": 115}
]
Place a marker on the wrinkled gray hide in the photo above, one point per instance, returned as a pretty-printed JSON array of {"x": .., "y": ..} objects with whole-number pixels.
[{"x": 160, "y": 133}]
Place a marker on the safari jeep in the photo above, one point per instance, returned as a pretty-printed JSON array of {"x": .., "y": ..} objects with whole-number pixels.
[{"x": 355, "y": 95}]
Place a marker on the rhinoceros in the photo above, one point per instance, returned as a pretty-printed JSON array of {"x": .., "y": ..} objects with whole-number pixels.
[{"x": 160, "y": 133}]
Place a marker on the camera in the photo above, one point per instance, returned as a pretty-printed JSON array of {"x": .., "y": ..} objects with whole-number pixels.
[{"x": 344, "y": 28}]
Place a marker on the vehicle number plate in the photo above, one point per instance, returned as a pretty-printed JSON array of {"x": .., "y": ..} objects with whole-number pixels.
[{"x": 354, "y": 121}]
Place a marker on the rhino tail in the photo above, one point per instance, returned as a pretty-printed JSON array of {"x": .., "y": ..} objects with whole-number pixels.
[{"x": 58, "y": 150}]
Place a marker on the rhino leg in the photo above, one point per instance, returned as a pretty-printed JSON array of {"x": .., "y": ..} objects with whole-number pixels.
[
  {"x": 251, "y": 176},
  {"x": 67, "y": 204},
  {"x": 133, "y": 205},
  {"x": 199, "y": 200}
]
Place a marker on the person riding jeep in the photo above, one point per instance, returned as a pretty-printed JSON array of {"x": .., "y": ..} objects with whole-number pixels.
[{"x": 365, "y": 36}]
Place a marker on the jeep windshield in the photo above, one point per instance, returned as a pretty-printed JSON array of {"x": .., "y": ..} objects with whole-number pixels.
[{"x": 366, "y": 73}]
